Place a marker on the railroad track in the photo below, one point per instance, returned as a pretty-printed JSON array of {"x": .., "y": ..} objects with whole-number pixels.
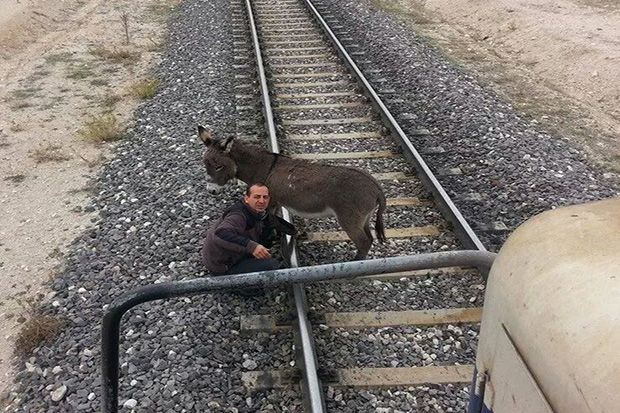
[
  {"x": 414, "y": 332},
  {"x": 394, "y": 333}
]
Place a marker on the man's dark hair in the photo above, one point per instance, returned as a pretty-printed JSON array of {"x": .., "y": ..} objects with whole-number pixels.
[{"x": 247, "y": 190}]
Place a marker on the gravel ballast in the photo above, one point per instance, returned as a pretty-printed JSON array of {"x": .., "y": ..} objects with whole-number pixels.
[
  {"x": 518, "y": 169},
  {"x": 183, "y": 354},
  {"x": 188, "y": 354}
]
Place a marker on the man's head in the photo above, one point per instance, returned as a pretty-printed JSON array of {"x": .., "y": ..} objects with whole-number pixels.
[{"x": 257, "y": 197}]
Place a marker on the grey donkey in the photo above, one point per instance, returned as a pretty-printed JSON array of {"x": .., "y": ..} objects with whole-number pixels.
[{"x": 307, "y": 189}]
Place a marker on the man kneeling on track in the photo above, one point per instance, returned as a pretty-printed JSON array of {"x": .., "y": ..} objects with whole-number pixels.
[{"x": 238, "y": 242}]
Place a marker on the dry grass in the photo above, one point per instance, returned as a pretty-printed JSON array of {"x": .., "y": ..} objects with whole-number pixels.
[
  {"x": 25, "y": 93},
  {"x": 49, "y": 153},
  {"x": 160, "y": 11},
  {"x": 413, "y": 11},
  {"x": 60, "y": 58},
  {"x": 21, "y": 105},
  {"x": 154, "y": 46},
  {"x": 105, "y": 128},
  {"x": 36, "y": 330},
  {"x": 117, "y": 55},
  {"x": 91, "y": 163},
  {"x": 16, "y": 179},
  {"x": 17, "y": 127},
  {"x": 100, "y": 82},
  {"x": 81, "y": 71},
  {"x": 144, "y": 89},
  {"x": 109, "y": 101},
  {"x": 21, "y": 98},
  {"x": 125, "y": 23}
]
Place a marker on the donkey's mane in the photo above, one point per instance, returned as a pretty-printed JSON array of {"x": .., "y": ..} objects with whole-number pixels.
[{"x": 248, "y": 147}]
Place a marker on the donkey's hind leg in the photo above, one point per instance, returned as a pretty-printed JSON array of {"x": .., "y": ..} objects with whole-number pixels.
[{"x": 358, "y": 229}]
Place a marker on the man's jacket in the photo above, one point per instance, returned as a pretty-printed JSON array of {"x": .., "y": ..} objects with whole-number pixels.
[{"x": 236, "y": 234}]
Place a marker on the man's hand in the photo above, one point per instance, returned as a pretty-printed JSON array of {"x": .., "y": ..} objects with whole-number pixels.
[{"x": 261, "y": 252}]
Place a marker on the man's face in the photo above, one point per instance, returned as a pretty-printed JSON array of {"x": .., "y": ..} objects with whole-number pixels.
[{"x": 258, "y": 200}]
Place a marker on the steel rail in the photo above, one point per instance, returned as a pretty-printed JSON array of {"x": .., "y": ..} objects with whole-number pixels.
[
  {"x": 314, "y": 399},
  {"x": 445, "y": 204},
  {"x": 260, "y": 72},
  {"x": 111, "y": 324}
]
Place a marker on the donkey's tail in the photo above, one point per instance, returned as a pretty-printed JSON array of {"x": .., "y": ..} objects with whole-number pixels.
[{"x": 379, "y": 227}]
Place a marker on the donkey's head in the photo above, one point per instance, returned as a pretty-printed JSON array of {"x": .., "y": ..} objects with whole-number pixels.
[{"x": 220, "y": 166}]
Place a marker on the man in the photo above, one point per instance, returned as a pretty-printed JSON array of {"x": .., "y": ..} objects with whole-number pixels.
[{"x": 238, "y": 242}]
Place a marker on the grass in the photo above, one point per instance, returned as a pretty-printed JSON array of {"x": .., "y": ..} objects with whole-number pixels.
[
  {"x": 16, "y": 127},
  {"x": 25, "y": 93},
  {"x": 100, "y": 82},
  {"x": 154, "y": 46},
  {"x": 59, "y": 57},
  {"x": 36, "y": 330},
  {"x": 104, "y": 128},
  {"x": 21, "y": 105},
  {"x": 161, "y": 10},
  {"x": 91, "y": 163},
  {"x": 80, "y": 72},
  {"x": 110, "y": 101},
  {"x": 49, "y": 153},
  {"x": 52, "y": 103},
  {"x": 413, "y": 10},
  {"x": 39, "y": 74},
  {"x": 16, "y": 179},
  {"x": 144, "y": 89},
  {"x": 21, "y": 96},
  {"x": 123, "y": 56}
]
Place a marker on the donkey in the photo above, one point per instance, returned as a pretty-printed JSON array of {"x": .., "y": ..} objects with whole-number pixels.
[{"x": 307, "y": 189}]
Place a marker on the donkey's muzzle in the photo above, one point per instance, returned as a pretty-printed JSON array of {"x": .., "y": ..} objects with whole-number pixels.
[{"x": 213, "y": 188}]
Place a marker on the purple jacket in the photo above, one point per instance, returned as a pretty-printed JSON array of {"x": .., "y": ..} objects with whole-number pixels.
[{"x": 232, "y": 237}]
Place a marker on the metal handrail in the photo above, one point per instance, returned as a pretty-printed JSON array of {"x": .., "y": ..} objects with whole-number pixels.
[{"x": 110, "y": 331}]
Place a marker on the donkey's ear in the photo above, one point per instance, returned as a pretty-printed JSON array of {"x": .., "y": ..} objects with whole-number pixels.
[
  {"x": 205, "y": 136},
  {"x": 226, "y": 144}
]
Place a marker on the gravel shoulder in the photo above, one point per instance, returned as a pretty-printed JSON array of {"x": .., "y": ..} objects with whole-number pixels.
[{"x": 55, "y": 77}]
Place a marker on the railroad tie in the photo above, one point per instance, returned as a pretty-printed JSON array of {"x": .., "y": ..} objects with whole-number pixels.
[
  {"x": 333, "y": 136},
  {"x": 321, "y": 106},
  {"x": 289, "y": 43},
  {"x": 409, "y": 232},
  {"x": 398, "y": 276},
  {"x": 302, "y": 65},
  {"x": 319, "y": 122},
  {"x": 363, "y": 377},
  {"x": 281, "y": 96},
  {"x": 305, "y": 75},
  {"x": 368, "y": 319},
  {"x": 344, "y": 155},
  {"x": 313, "y": 84},
  {"x": 299, "y": 56},
  {"x": 297, "y": 49}
]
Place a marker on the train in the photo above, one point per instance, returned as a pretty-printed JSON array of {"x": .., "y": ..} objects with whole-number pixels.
[{"x": 550, "y": 330}]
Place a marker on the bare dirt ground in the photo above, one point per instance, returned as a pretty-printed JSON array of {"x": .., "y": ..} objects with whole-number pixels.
[
  {"x": 62, "y": 64},
  {"x": 556, "y": 60}
]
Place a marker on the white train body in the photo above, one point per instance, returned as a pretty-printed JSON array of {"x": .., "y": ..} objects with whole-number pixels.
[{"x": 550, "y": 332}]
